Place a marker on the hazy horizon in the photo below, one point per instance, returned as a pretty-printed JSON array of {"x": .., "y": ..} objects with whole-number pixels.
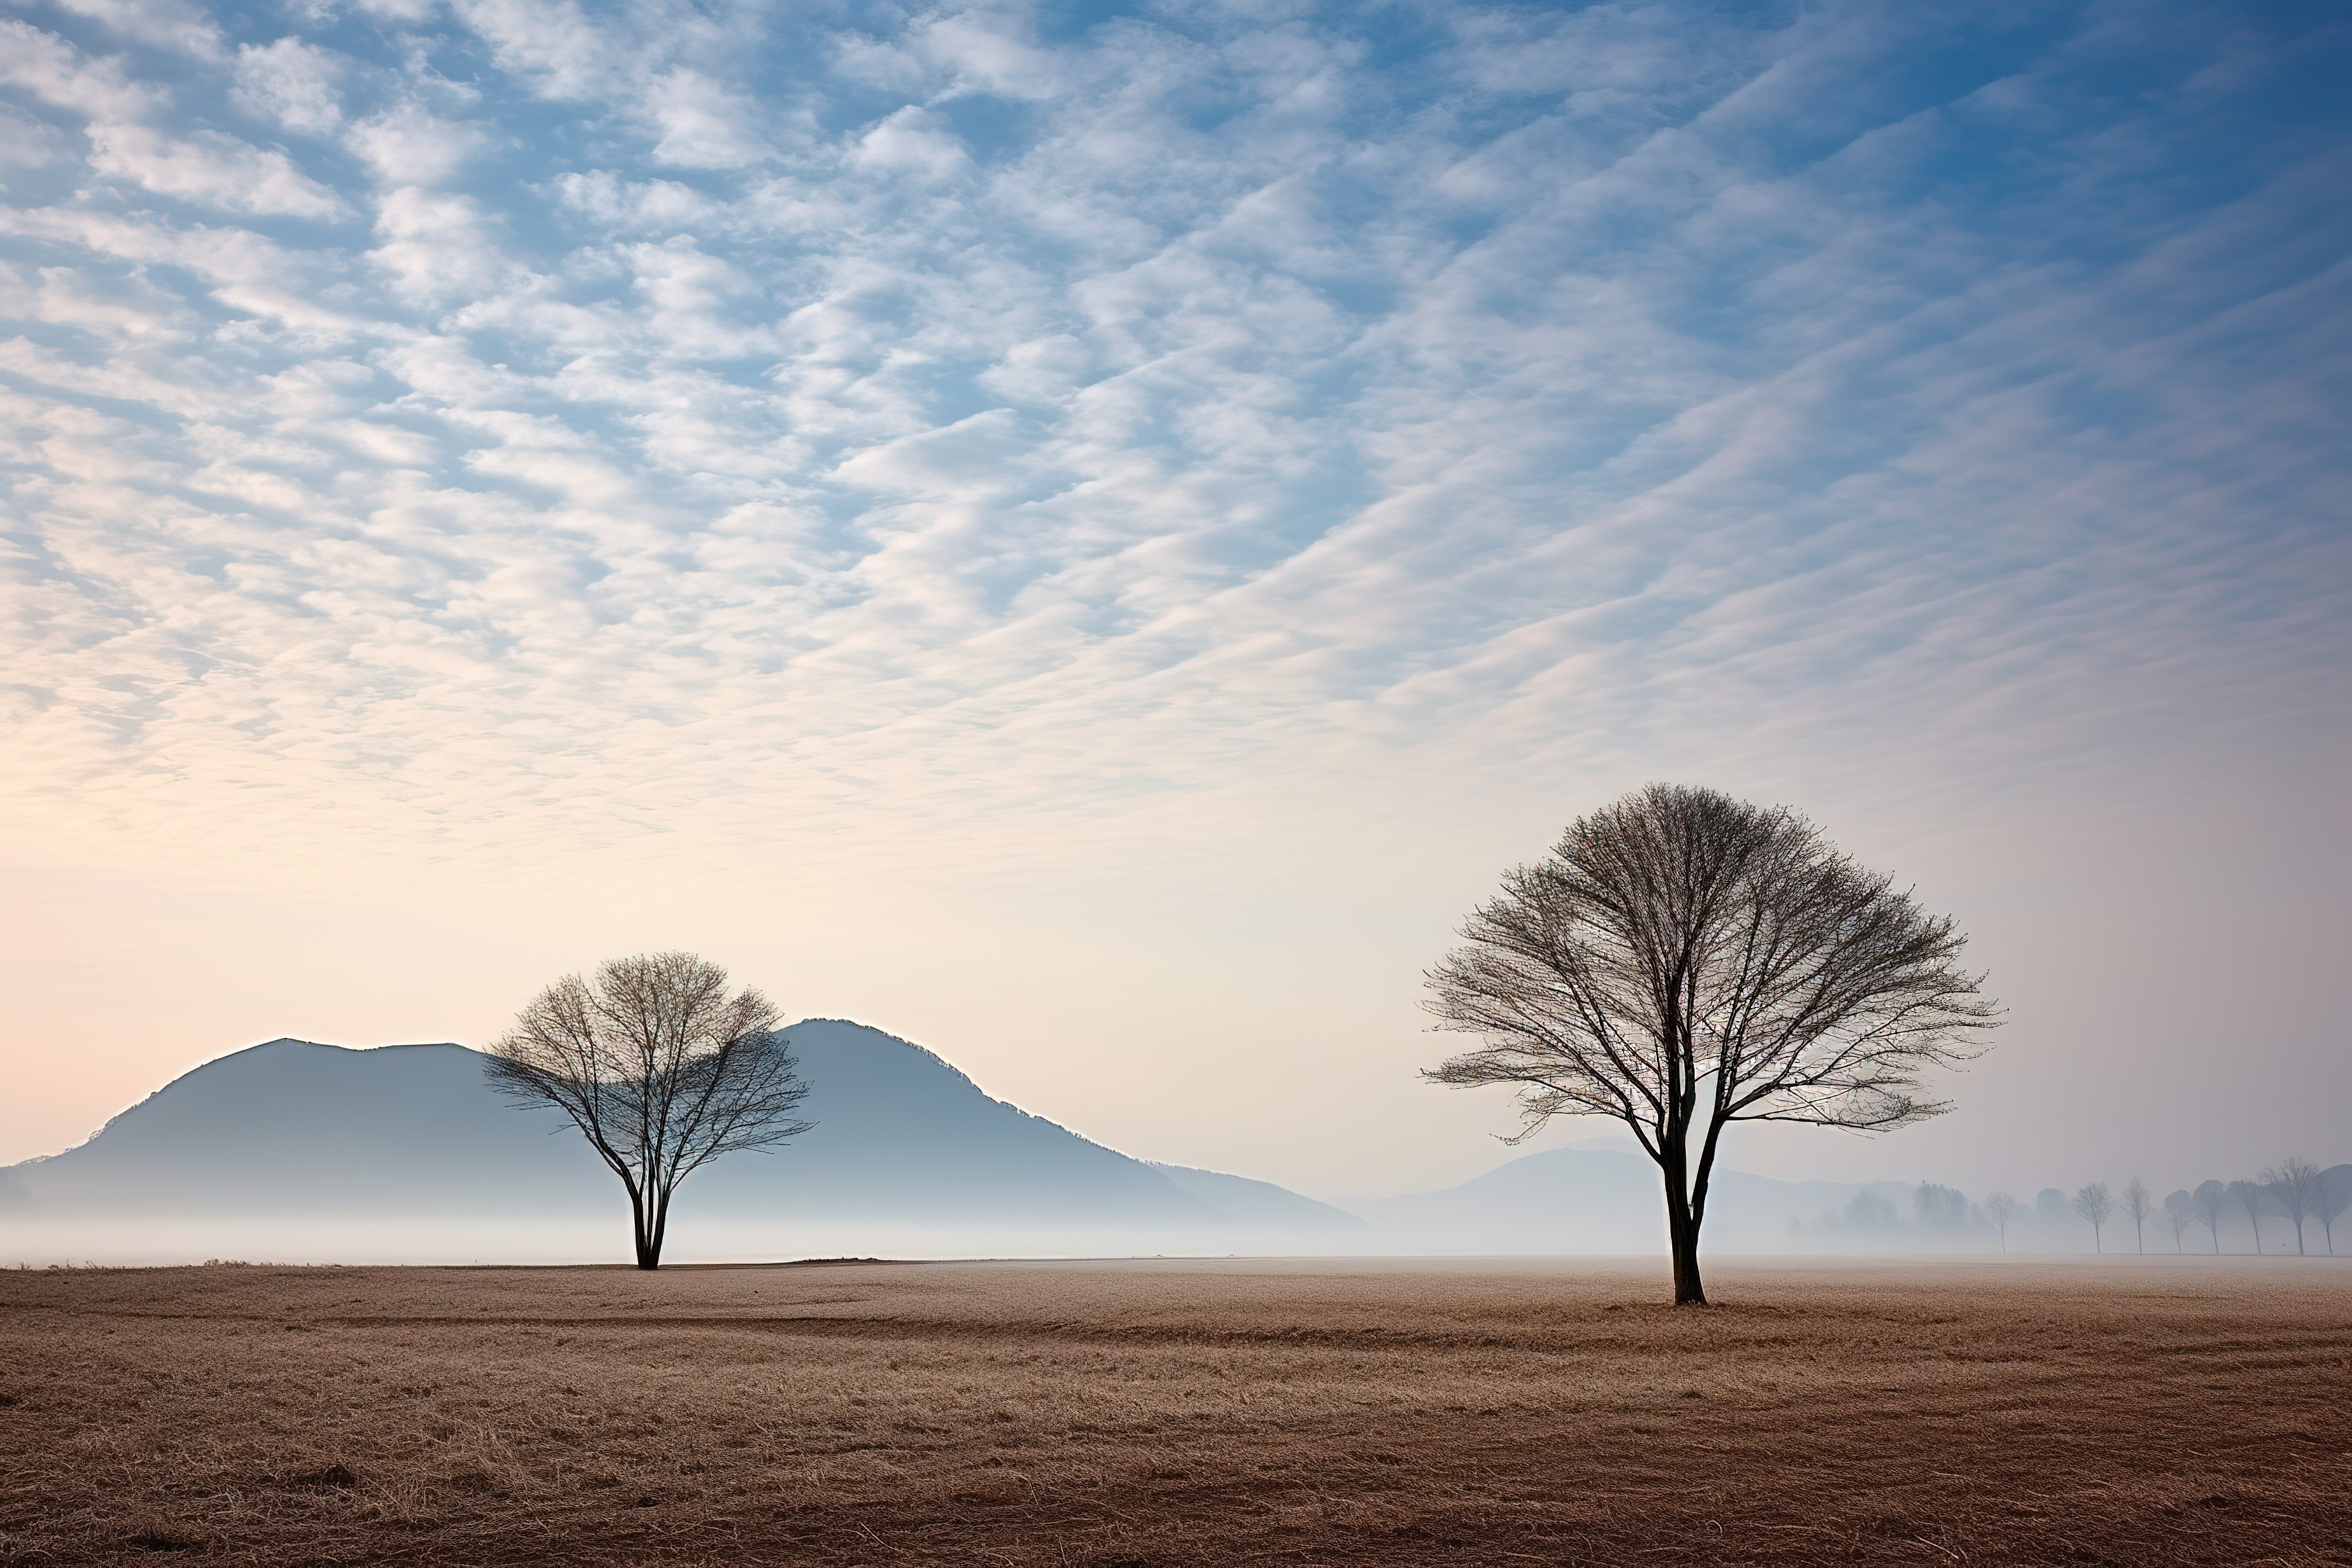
[
  {"x": 1088, "y": 536},
  {"x": 298, "y": 1151}
]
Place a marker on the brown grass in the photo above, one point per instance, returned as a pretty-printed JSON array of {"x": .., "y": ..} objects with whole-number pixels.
[{"x": 1179, "y": 1412}]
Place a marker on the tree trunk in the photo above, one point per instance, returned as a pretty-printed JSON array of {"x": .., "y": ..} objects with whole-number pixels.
[
  {"x": 1682, "y": 1241},
  {"x": 648, "y": 1256},
  {"x": 661, "y": 1224},
  {"x": 645, "y": 1215}
]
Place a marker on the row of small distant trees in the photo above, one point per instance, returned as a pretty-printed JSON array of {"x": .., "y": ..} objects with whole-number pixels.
[{"x": 2295, "y": 1190}]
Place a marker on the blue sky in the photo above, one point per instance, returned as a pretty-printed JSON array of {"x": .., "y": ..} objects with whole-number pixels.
[{"x": 1087, "y": 534}]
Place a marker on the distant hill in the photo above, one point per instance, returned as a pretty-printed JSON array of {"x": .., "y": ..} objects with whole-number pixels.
[
  {"x": 296, "y": 1128},
  {"x": 1240, "y": 1199},
  {"x": 1609, "y": 1200},
  {"x": 299, "y": 1144},
  {"x": 296, "y": 1150}
]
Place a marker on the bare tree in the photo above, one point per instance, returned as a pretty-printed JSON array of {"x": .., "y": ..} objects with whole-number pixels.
[
  {"x": 2295, "y": 1186},
  {"x": 660, "y": 1069},
  {"x": 2249, "y": 1196},
  {"x": 2212, "y": 1197},
  {"x": 1683, "y": 960},
  {"x": 2093, "y": 1204},
  {"x": 2335, "y": 1195},
  {"x": 2180, "y": 1212},
  {"x": 2003, "y": 1208},
  {"x": 2139, "y": 1203}
]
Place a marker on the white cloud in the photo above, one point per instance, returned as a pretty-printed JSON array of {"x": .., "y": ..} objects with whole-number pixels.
[
  {"x": 156, "y": 24},
  {"x": 53, "y": 70},
  {"x": 407, "y": 144},
  {"x": 437, "y": 248},
  {"x": 27, "y": 142},
  {"x": 293, "y": 83},
  {"x": 703, "y": 125},
  {"x": 912, "y": 141},
  {"x": 626, "y": 206},
  {"x": 210, "y": 169}
]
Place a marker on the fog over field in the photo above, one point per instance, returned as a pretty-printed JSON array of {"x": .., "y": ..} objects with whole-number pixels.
[{"x": 296, "y": 1152}]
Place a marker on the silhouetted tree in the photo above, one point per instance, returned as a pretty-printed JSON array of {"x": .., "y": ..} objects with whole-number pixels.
[
  {"x": 2335, "y": 1195},
  {"x": 2212, "y": 1199},
  {"x": 2094, "y": 1205},
  {"x": 1683, "y": 960},
  {"x": 2180, "y": 1211},
  {"x": 2139, "y": 1203},
  {"x": 659, "y": 1067},
  {"x": 2001, "y": 1207},
  {"x": 2293, "y": 1186},
  {"x": 2249, "y": 1196}
]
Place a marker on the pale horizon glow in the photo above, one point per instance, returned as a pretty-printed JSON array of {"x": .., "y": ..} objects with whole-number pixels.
[{"x": 1086, "y": 536}]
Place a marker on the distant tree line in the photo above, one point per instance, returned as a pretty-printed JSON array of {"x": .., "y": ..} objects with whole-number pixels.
[{"x": 2294, "y": 1197}]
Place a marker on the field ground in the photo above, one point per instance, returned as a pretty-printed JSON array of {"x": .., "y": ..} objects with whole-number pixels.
[{"x": 1181, "y": 1412}]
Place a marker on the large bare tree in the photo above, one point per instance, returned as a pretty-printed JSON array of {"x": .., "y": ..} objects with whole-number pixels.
[
  {"x": 1683, "y": 960},
  {"x": 660, "y": 1069}
]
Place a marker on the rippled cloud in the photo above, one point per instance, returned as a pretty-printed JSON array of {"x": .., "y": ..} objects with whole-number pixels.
[{"x": 501, "y": 427}]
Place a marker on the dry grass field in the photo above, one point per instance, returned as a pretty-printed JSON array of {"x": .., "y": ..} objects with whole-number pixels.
[{"x": 1179, "y": 1413}]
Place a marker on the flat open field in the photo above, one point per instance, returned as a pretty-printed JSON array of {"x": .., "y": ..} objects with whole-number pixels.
[{"x": 1181, "y": 1412}]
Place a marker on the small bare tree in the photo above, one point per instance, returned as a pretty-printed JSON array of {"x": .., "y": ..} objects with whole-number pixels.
[
  {"x": 2212, "y": 1199},
  {"x": 2180, "y": 1213},
  {"x": 2139, "y": 1203},
  {"x": 1683, "y": 960},
  {"x": 2294, "y": 1186},
  {"x": 2248, "y": 1196},
  {"x": 660, "y": 1069},
  {"x": 2002, "y": 1208},
  {"x": 2093, "y": 1204}
]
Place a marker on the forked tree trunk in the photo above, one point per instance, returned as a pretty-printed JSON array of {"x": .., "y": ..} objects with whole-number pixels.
[
  {"x": 647, "y": 1207},
  {"x": 1682, "y": 1236}
]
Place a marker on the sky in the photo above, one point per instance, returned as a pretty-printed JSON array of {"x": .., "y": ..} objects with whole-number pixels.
[{"x": 1090, "y": 536}]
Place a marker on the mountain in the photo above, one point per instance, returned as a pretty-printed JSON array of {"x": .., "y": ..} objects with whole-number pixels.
[
  {"x": 304, "y": 1149},
  {"x": 1244, "y": 1201},
  {"x": 898, "y": 1131},
  {"x": 295, "y": 1128}
]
